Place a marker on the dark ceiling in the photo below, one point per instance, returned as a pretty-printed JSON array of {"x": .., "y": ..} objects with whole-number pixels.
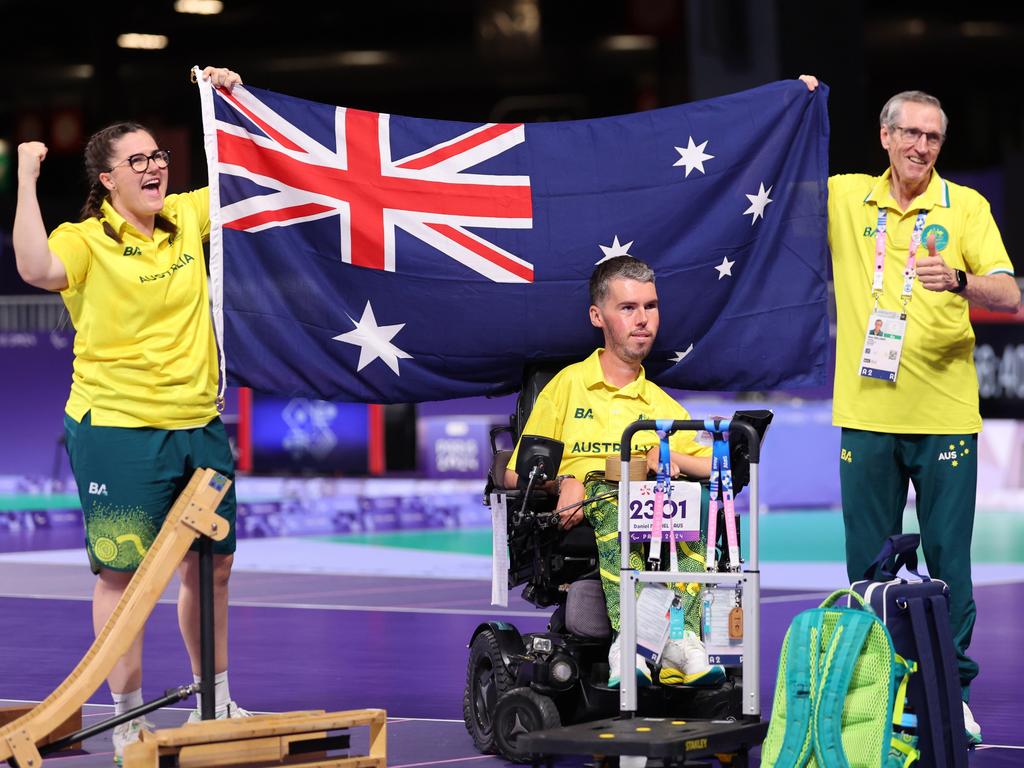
[
  {"x": 512, "y": 60},
  {"x": 479, "y": 59}
]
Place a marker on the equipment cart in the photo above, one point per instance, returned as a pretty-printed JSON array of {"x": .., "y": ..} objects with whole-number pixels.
[{"x": 674, "y": 742}]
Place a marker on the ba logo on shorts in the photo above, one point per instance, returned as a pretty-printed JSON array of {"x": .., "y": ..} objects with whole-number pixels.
[
  {"x": 845, "y": 454},
  {"x": 98, "y": 489},
  {"x": 584, "y": 413}
]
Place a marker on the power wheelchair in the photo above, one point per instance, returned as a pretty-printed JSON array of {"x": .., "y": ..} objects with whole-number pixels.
[{"x": 518, "y": 684}]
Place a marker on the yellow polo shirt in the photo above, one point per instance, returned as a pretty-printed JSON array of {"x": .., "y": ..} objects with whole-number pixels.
[
  {"x": 589, "y": 415},
  {"x": 936, "y": 389},
  {"x": 145, "y": 354}
]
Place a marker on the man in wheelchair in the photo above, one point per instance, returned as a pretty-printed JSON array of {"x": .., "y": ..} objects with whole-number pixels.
[{"x": 586, "y": 407}]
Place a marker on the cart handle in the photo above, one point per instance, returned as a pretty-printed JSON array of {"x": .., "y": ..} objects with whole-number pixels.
[{"x": 693, "y": 425}]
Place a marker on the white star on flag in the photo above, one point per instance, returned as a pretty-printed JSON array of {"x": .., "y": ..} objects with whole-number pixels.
[
  {"x": 613, "y": 250},
  {"x": 692, "y": 156},
  {"x": 374, "y": 341},
  {"x": 758, "y": 203},
  {"x": 680, "y": 355},
  {"x": 725, "y": 268}
]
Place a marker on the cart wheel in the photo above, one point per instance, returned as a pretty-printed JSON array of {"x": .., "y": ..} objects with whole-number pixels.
[
  {"x": 522, "y": 710},
  {"x": 486, "y": 679}
]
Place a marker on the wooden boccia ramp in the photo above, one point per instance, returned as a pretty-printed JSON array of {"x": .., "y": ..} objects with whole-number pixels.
[
  {"x": 293, "y": 738},
  {"x": 217, "y": 742},
  {"x": 674, "y": 742}
]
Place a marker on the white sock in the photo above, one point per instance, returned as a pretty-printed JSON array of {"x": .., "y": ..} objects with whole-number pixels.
[
  {"x": 127, "y": 700},
  {"x": 221, "y": 693}
]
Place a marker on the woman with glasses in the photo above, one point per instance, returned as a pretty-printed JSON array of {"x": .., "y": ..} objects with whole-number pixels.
[{"x": 142, "y": 414}]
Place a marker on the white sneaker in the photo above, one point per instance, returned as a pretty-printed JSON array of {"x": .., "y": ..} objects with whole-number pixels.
[
  {"x": 643, "y": 674},
  {"x": 128, "y": 733},
  {"x": 229, "y": 711},
  {"x": 686, "y": 661},
  {"x": 971, "y": 726}
]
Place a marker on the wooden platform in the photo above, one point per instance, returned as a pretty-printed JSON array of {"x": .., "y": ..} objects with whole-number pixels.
[{"x": 292, "y": 738}]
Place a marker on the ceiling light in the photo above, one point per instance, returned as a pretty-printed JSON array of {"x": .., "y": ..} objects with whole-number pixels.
[
  {"x": 916, "y": 27},
  {"x": 365, "y": 58},
  {"x": 141, "y": 41},
  {"x": 79, "y": 71},
  {"x": 983, "y": 29},
  {"x": 630, "y": 43},
  {"x": 332, "y": 60},
  {"x": 201, "y": 7}
]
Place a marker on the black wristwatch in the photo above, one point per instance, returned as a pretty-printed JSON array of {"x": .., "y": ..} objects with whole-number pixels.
[{"x": 961, "y": 282}]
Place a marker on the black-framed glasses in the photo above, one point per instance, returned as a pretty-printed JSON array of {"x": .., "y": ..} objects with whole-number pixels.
[
  {"x": 913, "y": 135},
  {"x": 139, "y": 162}
]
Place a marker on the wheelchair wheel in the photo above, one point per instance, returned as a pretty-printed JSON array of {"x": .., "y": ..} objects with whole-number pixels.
[
  {"x": 519, "y": 711},
  {"x": 486, "y": 680}
]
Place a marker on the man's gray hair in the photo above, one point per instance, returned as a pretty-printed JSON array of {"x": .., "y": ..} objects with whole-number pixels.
[
  {"x": 623, "y": 267},
  {"x": 893, "y": 108}
]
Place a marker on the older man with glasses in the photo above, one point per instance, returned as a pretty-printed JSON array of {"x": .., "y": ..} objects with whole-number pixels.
[{"x": 908, "y": 402}]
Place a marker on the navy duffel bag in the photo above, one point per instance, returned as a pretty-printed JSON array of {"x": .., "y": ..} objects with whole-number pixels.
[{"x": 916, "y": 613}]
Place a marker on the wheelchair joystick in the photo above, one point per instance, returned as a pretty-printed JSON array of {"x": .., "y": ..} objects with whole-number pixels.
[{"x": 536, "y": 463}]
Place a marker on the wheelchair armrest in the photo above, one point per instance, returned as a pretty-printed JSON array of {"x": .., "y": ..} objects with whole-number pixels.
[
  {"x": 497, "y": 430},
  {"x": 496, "y": 474}
]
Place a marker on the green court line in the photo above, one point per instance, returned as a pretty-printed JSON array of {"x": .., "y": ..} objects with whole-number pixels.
[
  {"x": 28, "y": 501},
  {"x": 807, "y": 536},
  {"x": 463, "y": 541}
]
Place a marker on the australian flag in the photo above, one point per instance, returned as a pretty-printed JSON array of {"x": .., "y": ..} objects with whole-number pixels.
[{"x": 361, "y": 256}]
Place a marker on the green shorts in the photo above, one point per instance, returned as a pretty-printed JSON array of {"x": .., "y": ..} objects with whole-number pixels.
[
  {"x": 604, "y": 517},
  {"x": 128, "y": 478}
]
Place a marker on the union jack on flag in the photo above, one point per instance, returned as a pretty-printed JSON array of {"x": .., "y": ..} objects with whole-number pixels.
[
  {"x": 378, "y": 258},
  {"x": 428, "y": 194}
]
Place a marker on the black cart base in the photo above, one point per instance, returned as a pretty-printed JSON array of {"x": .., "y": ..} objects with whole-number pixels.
[{"x": 674, "y": 742}]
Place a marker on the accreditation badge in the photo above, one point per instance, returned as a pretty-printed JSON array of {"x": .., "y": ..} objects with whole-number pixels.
[
  {"x": 883, "y": 345},
  {"x": 680, "y": 509}
]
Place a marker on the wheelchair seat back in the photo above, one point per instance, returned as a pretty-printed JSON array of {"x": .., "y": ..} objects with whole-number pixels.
[
  {"x": 544, "y": 557},
  {"x": 535, "y": 377}
]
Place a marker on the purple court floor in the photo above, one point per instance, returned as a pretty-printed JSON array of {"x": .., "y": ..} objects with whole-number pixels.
[{"x": 345, "y": 642}]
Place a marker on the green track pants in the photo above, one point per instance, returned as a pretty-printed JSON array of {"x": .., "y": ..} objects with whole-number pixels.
[{"x": 875, "y": 470}]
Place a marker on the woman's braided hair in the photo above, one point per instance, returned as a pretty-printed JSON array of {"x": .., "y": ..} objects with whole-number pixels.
[{"x": 98, "y": 153}]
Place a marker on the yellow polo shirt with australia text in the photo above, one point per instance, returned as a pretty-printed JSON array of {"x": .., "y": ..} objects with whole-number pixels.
[
  {"x": 579, "y": 408},
  {"x": 936, "y": 388},
  {"x": 145, "y": 354}
]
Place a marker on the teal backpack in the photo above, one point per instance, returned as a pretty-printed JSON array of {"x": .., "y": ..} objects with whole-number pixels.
[{"x": 840, "y": 689}]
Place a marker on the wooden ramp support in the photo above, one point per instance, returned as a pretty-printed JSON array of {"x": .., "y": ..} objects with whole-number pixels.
[
  {"x": 291, "y": 738},
  {"x": 73, "y": 724},
  {"x": 193, "y": 513}
]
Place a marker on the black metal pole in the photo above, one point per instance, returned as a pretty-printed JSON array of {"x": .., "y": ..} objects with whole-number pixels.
[
  {"x": 171, "y": 696},
  {"x": 208, "y": 710}
]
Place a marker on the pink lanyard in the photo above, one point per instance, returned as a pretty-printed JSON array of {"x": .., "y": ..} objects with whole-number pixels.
[
  {"x": 910, "y": 271},
  {"x": 663, "y": 483},
  {"x": 721, "y": 479}
]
